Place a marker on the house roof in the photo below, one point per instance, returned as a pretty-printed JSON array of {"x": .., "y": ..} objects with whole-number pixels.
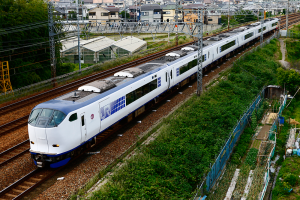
[
  {"x": 150, "y": 7},
  {"x": 169, "y": 7},
  {"x": 130, "y": 43},
  {"x": 135, "y": 7},
  {"x": 192, "y": 6},
  {"x": 207, "y": 1},
  {"x": 112, "y": 9}
]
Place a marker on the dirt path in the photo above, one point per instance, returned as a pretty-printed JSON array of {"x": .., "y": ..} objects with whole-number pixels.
[{"x": 284, "y": 63}]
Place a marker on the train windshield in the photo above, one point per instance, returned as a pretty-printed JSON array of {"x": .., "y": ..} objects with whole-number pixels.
[{"x": 46, "y": 118}]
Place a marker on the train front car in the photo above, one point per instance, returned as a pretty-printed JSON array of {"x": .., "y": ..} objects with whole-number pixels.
[{"x": 51, "y": 135}]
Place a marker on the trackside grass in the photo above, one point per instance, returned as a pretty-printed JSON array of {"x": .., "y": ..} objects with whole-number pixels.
[{"x": 171, "y": 166}]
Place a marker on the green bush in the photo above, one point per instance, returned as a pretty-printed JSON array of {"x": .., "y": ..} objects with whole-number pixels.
[
  {"x": 251, "y": 157},
  {"x": 242, "y": 146}
]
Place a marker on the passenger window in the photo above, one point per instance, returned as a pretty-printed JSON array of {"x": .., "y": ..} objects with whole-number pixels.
[
  {"x": 139, "y": 92},
  {"x": 146, "y": 89},
  {"x": 208, "y": 54},
  {"x": 171, "y": 74},
  {"x": 129, "y": 98},
  {"x": 153, "y": 85},
  {"x": 217, "y": 50},
  {"x": 82, "y": 120},
  {"x": 73, "y": 117}
]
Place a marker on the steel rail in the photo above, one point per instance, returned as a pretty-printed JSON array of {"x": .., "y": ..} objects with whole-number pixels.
[{"x": 10, "y": 150}]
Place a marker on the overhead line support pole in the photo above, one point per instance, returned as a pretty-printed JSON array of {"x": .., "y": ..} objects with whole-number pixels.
[
  {"x": 287, "y": 18},
  {"x": 52, "y": 42},
  {"x": 262, "y": 27},
  {"x": 199, "y": 58},
  {"x": 78, "y": 32}
]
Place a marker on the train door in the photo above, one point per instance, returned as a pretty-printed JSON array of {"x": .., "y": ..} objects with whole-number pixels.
[
  {"x": 171, "y": 77},
  {"x": 167, "y": 79},
  {"x": 83, "y": 127}
]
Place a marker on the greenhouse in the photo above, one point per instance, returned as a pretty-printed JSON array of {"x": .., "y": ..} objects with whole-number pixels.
[
  {"x": 97, "y": 51},
  {"x": 100, "y": 49}
]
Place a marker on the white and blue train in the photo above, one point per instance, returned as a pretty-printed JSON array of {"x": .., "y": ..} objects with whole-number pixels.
[{"x": 58, "y": 129}]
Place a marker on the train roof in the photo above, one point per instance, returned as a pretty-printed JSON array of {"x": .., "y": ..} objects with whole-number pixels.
[{"x": 99, "y": 89}]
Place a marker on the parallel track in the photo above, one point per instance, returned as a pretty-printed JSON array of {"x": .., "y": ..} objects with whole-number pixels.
[
  {"x": 27, "y": 183},
  {"x": 14, "y": 152}
]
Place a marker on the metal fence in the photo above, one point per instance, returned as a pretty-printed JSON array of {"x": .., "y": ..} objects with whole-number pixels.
[
  {"x": 272, "y": 137},
  {"x": 220, "y": 162},
  {"x": 226, "y": 151},
  {"x": 291, "y": 34}
]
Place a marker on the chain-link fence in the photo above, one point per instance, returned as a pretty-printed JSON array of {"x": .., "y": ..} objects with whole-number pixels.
[
  {"x": 272, "y": 138},
  {"x": 221, "y": 161}
]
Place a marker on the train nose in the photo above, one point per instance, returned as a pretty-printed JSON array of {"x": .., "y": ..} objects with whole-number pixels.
[{"x": 41, "y": 140}]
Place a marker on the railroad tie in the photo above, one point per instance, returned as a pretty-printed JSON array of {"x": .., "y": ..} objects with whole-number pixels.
[
  {"x": 19, "y": 191},
  {"x": 11, "y": 195}
]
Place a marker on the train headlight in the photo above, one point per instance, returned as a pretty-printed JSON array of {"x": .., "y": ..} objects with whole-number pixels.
[
  {"x": 31, "y": 142},
  {"x": 55, "y": 145}
]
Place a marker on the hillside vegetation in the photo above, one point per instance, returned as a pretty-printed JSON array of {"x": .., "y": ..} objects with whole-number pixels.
[{"x": 171, "y": 166}]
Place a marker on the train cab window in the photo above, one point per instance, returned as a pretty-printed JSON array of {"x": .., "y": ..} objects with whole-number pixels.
[
  {"x": 73, "y": 117},
  {"x": 34, "y": 115},
  {"x": 46, "y": 118},
  {"x": 82, "y": 120},
  {"x": 171, "y": 74},
  {"x": 56, "y": 119}
]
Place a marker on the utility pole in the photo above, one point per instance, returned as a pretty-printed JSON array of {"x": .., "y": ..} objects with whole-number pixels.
[
  {"x": 78, "y": 31},
  {"x": 136, "y": 10},
  {"x": 262, "y": 27},
  {"x": 51, "y": 41},
  {"x": 287, "y": 18},
  {"x": 176, "y": 18},
  {"x": 228, "y": 13},
  {"x": 125, "y": 10},
  {"x": 199, "y": 58}
]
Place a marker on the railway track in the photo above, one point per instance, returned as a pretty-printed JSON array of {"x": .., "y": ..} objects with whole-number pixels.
[
  {"x": 14, "y": 152},
  {"x": 21, "y": 187},
  {"x": 27, "y": 183}
]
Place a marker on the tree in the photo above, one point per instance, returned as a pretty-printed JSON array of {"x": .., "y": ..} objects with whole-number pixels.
[
  {"x": 27, "y": 50},
  {"x": 290, "y": 79},
  {"x": 123, "y": 14}
]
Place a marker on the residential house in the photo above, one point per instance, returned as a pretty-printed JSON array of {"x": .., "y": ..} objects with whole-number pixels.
[
  {"x": 191, "y": 12},
  {"x": 169, "y": 14},
  {"x": 135, "y": 13},
  {"x": 151, "y": 13},
  {"x": 212, "y": 16},
  {"x": 104, "y": 14},
  {"x": 118, "y": 4},
  {"x": 68, "y": 11}
]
